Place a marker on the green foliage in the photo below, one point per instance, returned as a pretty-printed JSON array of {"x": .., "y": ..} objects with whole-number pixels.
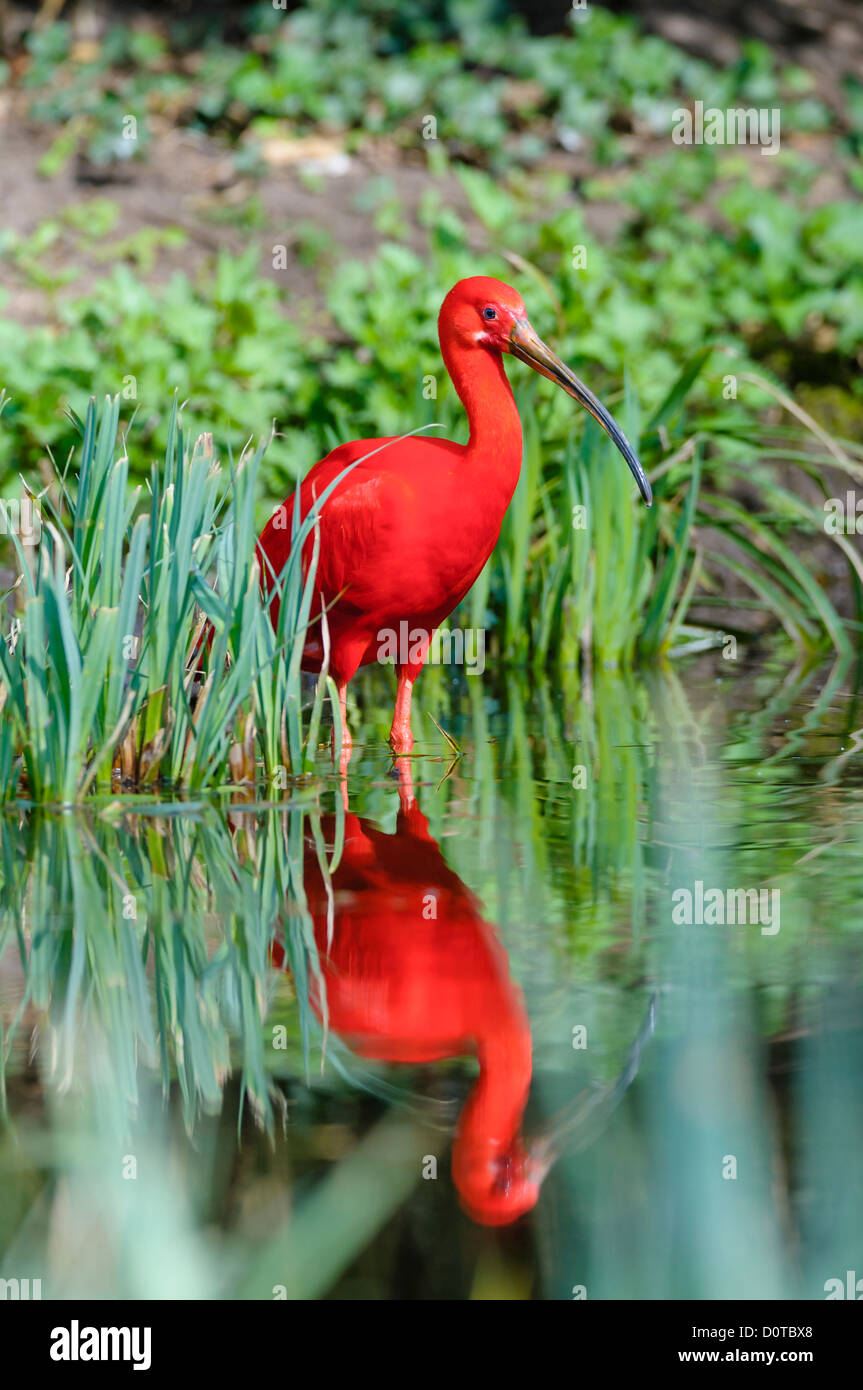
[
  {"x": 717, "y": 257},
  {"x": 100, "y": 660},
  {"x": 381, "y": 69},
  {"x": 222, "y": 343}
]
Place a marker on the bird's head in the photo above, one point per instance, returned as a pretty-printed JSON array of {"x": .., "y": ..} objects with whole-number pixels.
[
  {"x": 496, "y": 1188},
  {"x": 482, "y": 312}
]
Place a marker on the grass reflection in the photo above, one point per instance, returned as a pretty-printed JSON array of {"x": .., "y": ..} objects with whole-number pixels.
[{"x": 142, "y": 1017}]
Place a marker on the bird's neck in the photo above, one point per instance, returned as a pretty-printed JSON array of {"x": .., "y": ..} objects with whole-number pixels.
[
  {"x": 490, "y": 1121},
  {"x": 495, "y": 428}
]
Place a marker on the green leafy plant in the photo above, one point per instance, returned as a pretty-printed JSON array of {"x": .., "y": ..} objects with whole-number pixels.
[{"x": 123, "y": 602}]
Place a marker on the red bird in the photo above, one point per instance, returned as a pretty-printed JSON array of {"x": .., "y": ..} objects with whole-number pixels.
[
  {"x": 404, "y": 536},
  {"x": 412, "y": 973}
]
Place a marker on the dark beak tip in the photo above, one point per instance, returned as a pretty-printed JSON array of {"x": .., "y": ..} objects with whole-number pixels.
[
  {"x": 640, "y": 477},
  {"x": 525, "y": 344}
]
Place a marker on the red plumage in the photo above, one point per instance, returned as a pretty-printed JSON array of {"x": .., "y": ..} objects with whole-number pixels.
[{"x": 405, "y": 535}]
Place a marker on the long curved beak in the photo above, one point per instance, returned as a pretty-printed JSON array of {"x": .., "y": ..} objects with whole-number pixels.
[
  {"x": 526, "y": 345},
  {"x": 578, "y": 1124}
]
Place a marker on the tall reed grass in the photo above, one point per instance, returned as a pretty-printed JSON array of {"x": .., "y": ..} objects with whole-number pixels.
[
  {"x": 583, "y": 573},
  {"x": 100, "y": 669},
  {"x": 101, "y": 683}
]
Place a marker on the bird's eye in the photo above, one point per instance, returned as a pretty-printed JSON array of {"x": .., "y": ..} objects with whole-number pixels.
[{"x": 489, "y": 313}]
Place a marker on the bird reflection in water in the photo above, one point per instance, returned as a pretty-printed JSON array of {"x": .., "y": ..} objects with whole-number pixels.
[{"x": 413, "y": 973}]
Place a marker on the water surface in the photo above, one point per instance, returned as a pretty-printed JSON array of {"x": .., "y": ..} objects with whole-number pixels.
[{"x": 467, "y": 1037}]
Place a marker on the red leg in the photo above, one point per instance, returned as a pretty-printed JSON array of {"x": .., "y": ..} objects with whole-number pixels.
[
  {"x": 401, "y": 738},
  {"x": 407, "y": 799},
  {"x": 347, "y": 741}
]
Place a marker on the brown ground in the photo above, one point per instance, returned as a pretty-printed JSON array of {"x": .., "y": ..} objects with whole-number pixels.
[{"x": 188, "y": 179}]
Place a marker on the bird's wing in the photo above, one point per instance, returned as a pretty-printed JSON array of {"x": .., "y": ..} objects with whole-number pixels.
[
  {"x": 366, "y": 520},
  {"x": 353, "y": 496},
  {"x": 357, "y": 525},
  {"x": 370, "y": 523}
]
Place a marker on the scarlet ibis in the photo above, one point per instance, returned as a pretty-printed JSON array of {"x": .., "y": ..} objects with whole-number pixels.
[
  {"x": 413, "y": 974},
  {"x": 404, "y": 536}
]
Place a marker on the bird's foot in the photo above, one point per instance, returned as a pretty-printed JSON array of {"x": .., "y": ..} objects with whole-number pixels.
[
  {"x": 347, "y": 750},
  {"x": 401, "y": 739},
  {"x": 404, "y": 773}
]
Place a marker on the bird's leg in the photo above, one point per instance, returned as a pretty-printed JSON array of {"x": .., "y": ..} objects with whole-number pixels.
[
  {"x": 401, "y": 738},
  {"x": 347, "y": 741},
  {"x": 407, "y": 799}
]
